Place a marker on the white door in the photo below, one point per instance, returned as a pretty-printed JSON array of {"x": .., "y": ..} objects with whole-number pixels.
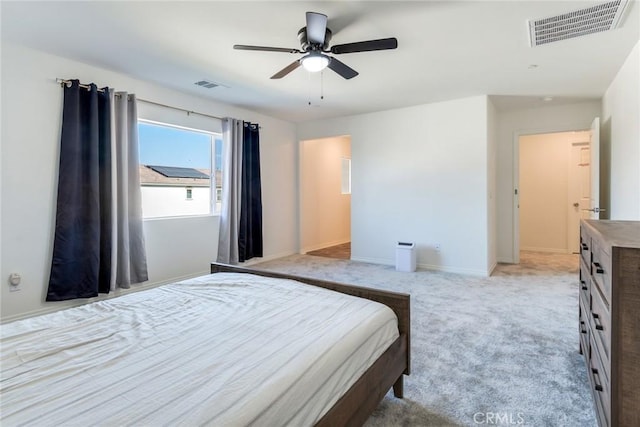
[
  {"x": 579, "y": 191},
  {"x": 594, "y": 163}
]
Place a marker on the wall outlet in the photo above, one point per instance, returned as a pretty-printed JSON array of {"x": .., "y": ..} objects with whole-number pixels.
[
  {"x": 14, "y": 282},
  {"x": 437, "y": 246}
]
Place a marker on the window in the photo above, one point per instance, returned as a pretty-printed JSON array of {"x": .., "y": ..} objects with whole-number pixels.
[
  {"x": 175, "y": 170},
  {"x": 345, "y": 169},
  {"x": 218, "y": 170}
]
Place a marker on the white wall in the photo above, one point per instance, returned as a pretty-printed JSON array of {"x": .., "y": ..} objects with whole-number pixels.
[
  {"x": 325, "y": 213},
  {"x": 512, "y": 124},
  {"x": 621, "y": 139},
  {"x": 419, "y": 174},
  {"x": 31, "y": 117}
]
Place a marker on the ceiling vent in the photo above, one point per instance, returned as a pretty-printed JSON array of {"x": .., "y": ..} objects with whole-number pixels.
[
  {"x": 206, "y": 83},
  {"x": 601, "y": 17}
]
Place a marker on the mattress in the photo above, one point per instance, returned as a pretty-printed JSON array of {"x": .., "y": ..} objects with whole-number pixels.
[{"x": 225, "y": 349}]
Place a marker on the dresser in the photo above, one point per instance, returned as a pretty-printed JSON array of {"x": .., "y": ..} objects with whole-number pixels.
[{"x": 609, "y": 318}]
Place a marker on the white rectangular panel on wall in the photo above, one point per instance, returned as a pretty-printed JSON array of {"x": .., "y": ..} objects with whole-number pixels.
[{"x": 346, "y": 176}]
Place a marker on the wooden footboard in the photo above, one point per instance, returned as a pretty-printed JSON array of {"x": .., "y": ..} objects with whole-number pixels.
[{"x": 357, "y": 404}]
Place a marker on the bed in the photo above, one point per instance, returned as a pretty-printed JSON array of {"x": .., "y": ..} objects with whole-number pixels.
[{"x": 236, "y": 347}]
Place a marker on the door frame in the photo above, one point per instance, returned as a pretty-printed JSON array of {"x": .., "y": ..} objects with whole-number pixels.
[
  {"x": 594, "y": 160},
  {"x": 570, "y": 169},
  {"x": 302, "y": 249},
  {"x": 515, "y": 190}
]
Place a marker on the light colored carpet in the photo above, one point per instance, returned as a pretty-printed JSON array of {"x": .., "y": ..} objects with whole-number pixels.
[{"x": 501, "y": 350}]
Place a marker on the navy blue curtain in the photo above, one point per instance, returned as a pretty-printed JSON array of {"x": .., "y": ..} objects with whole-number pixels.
[
  {"x": 81, "y": 262},
  {"x": 250, "y": 228}
]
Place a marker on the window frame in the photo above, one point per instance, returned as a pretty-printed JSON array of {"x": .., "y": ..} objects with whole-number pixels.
[{"x": 213, "y": 211}]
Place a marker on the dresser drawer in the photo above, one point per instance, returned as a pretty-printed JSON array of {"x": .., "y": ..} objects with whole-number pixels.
[
  {"x": 600, "y": 390},
  {"x": 583, "y": 325},
  {"x": 601, "y": 270},
  {"x": 584, "y": 285},
  {"x": 585, "y": 246},
  {"x": 600, "y": 325}
]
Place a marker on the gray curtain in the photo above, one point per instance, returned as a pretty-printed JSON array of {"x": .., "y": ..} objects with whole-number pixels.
[
  {"x": 129, "y": 260},
  {"x": 231, "y": 191},
  {"x": 98, "y": 242}
]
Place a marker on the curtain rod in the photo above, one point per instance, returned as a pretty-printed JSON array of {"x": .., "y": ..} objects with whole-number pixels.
[{"x": 64, "y": 82}]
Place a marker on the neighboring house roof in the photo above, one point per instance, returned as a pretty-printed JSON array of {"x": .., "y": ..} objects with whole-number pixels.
[
  {"x": 179, "y": 172},
  {"x": 152, "y": 177}
]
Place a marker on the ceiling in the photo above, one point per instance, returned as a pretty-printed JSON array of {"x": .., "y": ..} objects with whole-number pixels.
[{"x": 446, "y": 50}]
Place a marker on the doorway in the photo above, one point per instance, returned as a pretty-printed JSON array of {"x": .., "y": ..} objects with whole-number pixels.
[
  {"x": 325, "y": 197},
  {"x": 578, "y": 192},
  {"x": 554, "y": 180}
]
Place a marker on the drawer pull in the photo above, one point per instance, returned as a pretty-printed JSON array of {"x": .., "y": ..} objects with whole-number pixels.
[
  {"x": 596, "y": 320},
  {"x": 584, "y": 285},
  {"x": 598, "y": 387},
  {"x": 585, "y": 247},
  {"x": 584, "y": 331},
  {"x": 598, "y": 267}
]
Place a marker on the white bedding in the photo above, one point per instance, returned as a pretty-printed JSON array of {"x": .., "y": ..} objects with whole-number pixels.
[{"x": 222, "y": 350}]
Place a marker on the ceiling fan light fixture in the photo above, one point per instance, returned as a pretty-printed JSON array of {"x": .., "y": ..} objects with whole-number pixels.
[
  {"x": 315, "y": 62},
  {"x": 314, "y": 41}
]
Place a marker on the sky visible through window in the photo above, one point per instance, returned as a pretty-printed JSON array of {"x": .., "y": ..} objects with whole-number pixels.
[{"x": 168, "y": 146}]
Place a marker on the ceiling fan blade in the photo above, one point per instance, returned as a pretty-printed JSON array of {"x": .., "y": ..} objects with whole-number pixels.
[
  {"x": 366, "y": 46},
  {"x": 286, "y": 70},
  {"x": 266, "y": 48},
  {"x": 316, "y": 27},
  {"x": 342, "y": 69}
]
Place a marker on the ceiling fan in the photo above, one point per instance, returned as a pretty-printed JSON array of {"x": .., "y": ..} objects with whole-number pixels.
[{"x": 314, "y": 40}]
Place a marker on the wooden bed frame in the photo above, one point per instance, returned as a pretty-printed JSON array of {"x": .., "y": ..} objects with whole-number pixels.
[{"x": 357, "y": 404}]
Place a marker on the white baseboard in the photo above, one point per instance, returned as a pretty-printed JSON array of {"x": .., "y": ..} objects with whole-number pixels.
[
  {"x": 491, "y": 268},
  {"x": 433, "y": 267},
  {"x": 550, "y": 250}
]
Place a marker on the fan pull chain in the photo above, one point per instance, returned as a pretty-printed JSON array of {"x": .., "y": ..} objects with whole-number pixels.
[
  {"x": 309, "y": 95},
  {"x": 309, "y": 87}
]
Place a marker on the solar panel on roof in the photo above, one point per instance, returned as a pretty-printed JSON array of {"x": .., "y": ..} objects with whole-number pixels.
[{"x": 176, "y": 172}]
